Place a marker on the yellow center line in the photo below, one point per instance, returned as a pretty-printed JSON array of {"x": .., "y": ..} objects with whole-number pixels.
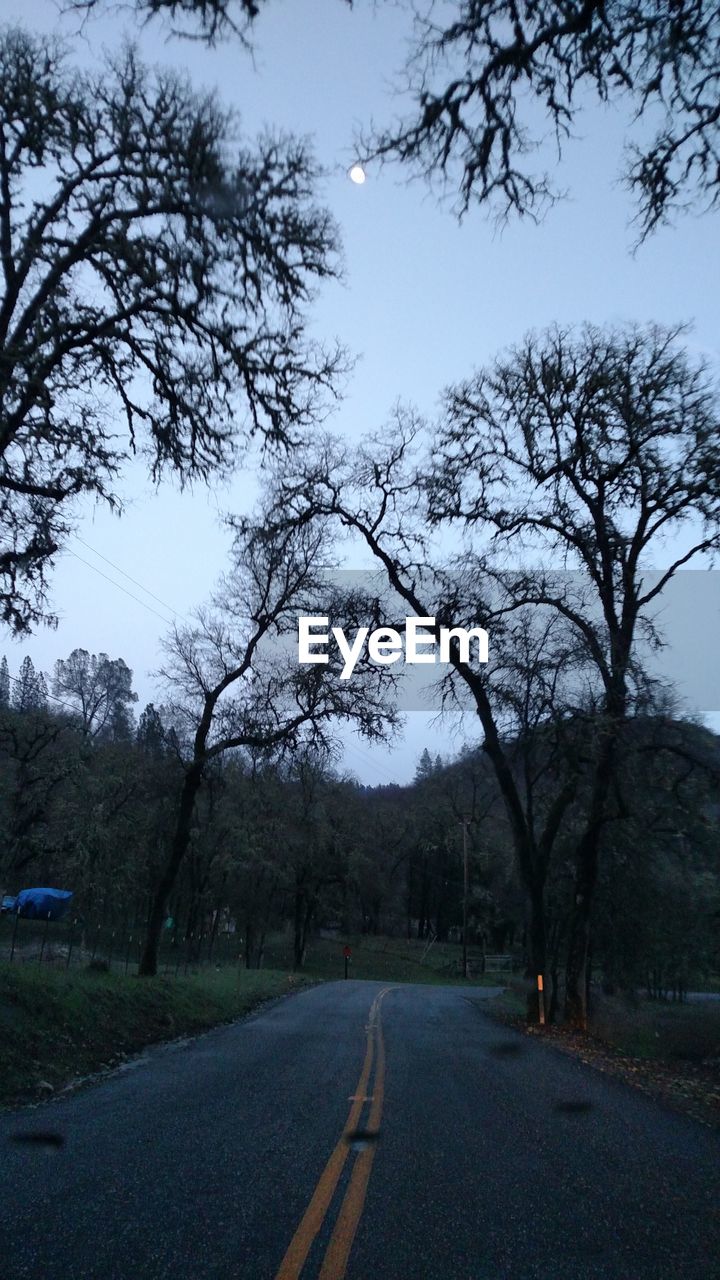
[
  {"x": 341, "y": 1242},
  {"x": 314, "y": 1216}
]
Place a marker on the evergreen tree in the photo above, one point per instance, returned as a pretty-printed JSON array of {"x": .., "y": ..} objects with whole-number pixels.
[
  {"x": 150, "y": 735},
  {"x": 30, "y": 692},
  {"x": 41, "y": 692},
  {"x": 424, "y": 766},
  {"x": 4, "y": 683}
]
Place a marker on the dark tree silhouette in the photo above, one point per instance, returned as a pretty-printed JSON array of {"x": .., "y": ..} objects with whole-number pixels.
[
  {"x": 379, "y": 493},
  {"x": 150, "y": 734},
  {"x": 589, "y": 450},
  {"x": 207, "y": 20},
  {"x": 584, "y": 450},
  {"x": 235, "y": 684},
  {"x": 490, "y": 81},
  {"x": 99, "y": 687},
  {"x": 30, "y": 690},
  {"x": 4, "y": 683},
  {"x": 153, "y": 288}
]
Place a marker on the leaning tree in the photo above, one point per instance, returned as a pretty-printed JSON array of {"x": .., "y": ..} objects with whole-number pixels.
[{"x": 235, "y": 681}]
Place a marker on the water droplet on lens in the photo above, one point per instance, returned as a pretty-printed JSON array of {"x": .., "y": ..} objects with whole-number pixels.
[
  {"x": 38, "y": 1139},
  {"x": 359, "y": 1139}
]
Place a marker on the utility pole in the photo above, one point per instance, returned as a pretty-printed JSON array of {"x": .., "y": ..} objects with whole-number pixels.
[{"x": 464, "y": 822}]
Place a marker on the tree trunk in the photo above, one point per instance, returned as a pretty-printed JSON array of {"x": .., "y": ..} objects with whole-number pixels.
[
  {"x": 214, "y": 931},
  {"x": 180, "y": 841},
  {"x": 576, "y": 975},
  {"x": 300, "y": 932},
  {"x": 191, "y": 922},
  {"x": 576, "y": 969},
  {"x": 586, "y": 873}
]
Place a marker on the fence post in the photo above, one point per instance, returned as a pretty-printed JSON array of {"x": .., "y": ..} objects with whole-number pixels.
[
  {"x": 541, "y": 999},
  {"x": 44, "y": 937},
  {"x": 12, "y": 945},
  {"x": 70, "y": 944}
]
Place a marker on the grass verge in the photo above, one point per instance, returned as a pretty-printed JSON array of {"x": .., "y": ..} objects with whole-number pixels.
[
  {"x": 379, "y": 959},
  {"x": 57, "y": 1025}
]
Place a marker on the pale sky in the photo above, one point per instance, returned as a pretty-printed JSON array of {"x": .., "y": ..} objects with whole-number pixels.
[{"x": 425, "y": 301}]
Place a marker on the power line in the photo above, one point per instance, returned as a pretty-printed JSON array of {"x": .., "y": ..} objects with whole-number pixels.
[
  {"x": 54, "y": 697},
  {"x": 367, "y": 760},
  {"x": 129, "y": 576},
  {"x": 120, "y": 587}
]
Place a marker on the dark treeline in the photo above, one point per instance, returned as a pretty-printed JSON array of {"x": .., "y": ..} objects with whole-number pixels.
[{"x": 88, "y": 795}]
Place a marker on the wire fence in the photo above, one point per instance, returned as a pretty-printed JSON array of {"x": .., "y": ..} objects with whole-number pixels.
[{"x": 78, "y": 943}]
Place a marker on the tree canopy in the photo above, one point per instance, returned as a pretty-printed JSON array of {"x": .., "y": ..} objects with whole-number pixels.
[
  {"x": 490, "y": 83},
  {"x": 153, "y": 290}
]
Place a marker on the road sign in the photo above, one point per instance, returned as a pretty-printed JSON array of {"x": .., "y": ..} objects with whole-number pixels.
[{"x": 347, "y": 952}]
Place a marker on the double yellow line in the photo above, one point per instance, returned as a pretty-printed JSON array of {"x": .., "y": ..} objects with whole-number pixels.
[{"x": 341, "y": 1242}]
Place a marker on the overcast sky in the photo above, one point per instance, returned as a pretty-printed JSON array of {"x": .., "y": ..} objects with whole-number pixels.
[{"x": 425, "y": 301}]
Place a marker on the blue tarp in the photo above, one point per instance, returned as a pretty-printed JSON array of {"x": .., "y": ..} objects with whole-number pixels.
[{"x": 43, "y": 904}]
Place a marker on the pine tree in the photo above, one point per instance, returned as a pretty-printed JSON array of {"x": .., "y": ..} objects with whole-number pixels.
[
  {"x": 150, "y": 735},
  {"x": 30, "y": 691},
  {"x": 41, "y": 692},
  {"x": 4, "y": 683},
  {"x": 424, "y": 767}
]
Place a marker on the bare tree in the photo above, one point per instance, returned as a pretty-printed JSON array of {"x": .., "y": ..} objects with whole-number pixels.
[
  {"x": 379, "y": 495},
  {"x": 154, "y": 276},
  {"x": 206, "y": 20},
  {"x": 491, "y": 82},
  {"x": 237, "y": 683},
  {"x": 594, "y": 450}
]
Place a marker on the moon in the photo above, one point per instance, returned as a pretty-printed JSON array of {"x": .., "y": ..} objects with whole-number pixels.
[{"x": 357, "y": 174}]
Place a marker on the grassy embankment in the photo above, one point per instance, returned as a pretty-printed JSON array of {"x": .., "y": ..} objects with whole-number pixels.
[{"x": 56, "y": 1025}]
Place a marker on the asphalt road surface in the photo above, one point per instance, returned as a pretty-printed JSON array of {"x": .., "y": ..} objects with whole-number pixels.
[{"x": 474, "y": 1152}]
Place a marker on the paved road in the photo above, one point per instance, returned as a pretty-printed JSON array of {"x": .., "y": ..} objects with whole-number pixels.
[{"x": 497, "y": 1159}]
